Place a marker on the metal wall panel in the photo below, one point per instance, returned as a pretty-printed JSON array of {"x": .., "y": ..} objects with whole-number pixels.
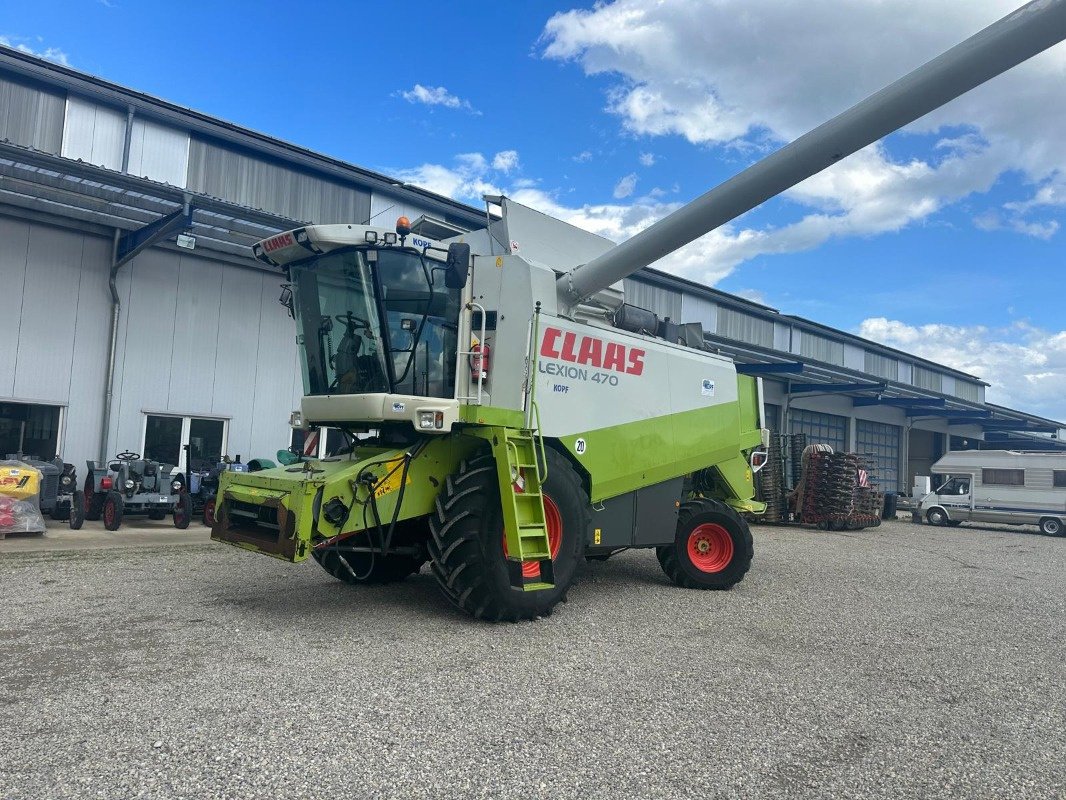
[
  {"x": 158, "y": 152},
  {"x": 881, "y": 366},
  {"x": 31, "y": 116},
  {"x": 148, "y": 343},
  {"x": 81, "y": 427},
  {"x": 241, "y": 178},
  {"x": 782, "y": 336},
  {"x": 94, "y": 133},
  {"x": 824, "y": 349},
  {"x": 745, "y": 327},
  {"x": 927, "y": 378},
  {"x": 193, "y": 365},
  {"x": 947, "y": 384},
  {"x": 384, "y": 209},
  {"x": 854, "y": 357},
  {"x": 967, "y": 390},
  {"x": 905, "y": 371},
  {"x": 49, "y": 303},
  {"x": 664, "y": 302},
  {"x": 701, "y": 310},
  {"x": 14, "y": 241},
  {"x": 238, "y": 353},
  {"x": 272, "y": 402}
]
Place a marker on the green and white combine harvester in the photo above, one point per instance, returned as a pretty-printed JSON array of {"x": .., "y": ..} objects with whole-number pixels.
[{"x": 509, "y": 418}]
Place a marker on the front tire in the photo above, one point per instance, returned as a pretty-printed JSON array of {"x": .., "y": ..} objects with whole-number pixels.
[
  {"x": 937, "y": 516},
  {"x": 1051, "y": 526},
  {"x": 712, "y": 549},
  {"x": 112, "y": 511},
  {"x": 77, "y": 510},
  {"x": 183, "y": 511},
  {"x": 466, "y": 544}
]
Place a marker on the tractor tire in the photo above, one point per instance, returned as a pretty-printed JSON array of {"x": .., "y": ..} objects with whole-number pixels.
[
  {"x": 94, "y": 500},
  {"x": 466, "y": 544},
  {"x": 712, "y": 549},
  {"x": 209, "y": 513},
  {"x": 112, "y": 511},
  {"x": 183, "y": 511},
  {"x": 1051, "y": 526},
  {"x": 937, "y": 516},
  {"x": 77, "y": 510}
]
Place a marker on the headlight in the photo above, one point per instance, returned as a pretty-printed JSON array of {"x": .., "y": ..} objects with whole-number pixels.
[
  {"x": 176, "y": 486},
  {"x": 428, "y": 420},
  {"x": 129, "y": 485},
  {"x": 65, "y": 480}
]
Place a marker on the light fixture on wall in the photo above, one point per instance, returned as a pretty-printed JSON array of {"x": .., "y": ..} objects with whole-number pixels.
[{"x": 186, "y": 241}]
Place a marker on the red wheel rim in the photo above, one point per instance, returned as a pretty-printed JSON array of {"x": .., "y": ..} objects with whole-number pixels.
[
  {"x": 209, "y": 513},
  {"x": 554, "y": 524},
  {"x": 710, "y": 547},
  {"x": 109, "y": 513}
]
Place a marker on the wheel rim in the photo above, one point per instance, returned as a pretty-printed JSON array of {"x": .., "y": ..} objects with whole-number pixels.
[
  {"x": 710, "y": 547},
  {"x": 553, "y": 522},
  {"x": 109, "y": 513},
  {"x": 209, "y": 513},
  {"x": 936, "y": 517}
]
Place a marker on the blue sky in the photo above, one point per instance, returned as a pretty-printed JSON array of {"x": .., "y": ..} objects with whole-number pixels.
[{"x": 943, "y": 240}]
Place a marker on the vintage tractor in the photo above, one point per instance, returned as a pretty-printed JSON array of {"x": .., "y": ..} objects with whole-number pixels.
[
  {"x": 524, "y": 417},
  {"x": 202, "y": 482},
  {"x": 60, "y": 496},
  {"x": 132, "y": 485}
]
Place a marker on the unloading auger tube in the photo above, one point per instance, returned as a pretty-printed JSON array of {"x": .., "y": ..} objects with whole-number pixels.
[
  {"x": 503, "y": 431},
  {"x": 1019, "y": 36}
]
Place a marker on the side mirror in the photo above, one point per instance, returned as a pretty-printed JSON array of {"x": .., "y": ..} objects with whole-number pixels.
[{"x": 457, "y": 265}]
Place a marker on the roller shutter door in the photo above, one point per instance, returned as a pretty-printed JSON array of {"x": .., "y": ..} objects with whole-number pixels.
[
  {"x": 821, "y": 428},
  {"x": 882, "y": 442}
]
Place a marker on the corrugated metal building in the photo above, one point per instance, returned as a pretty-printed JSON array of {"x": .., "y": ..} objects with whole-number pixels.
[{"x": 91, "y": 173}]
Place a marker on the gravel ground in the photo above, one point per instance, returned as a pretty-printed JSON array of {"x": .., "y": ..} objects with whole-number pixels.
[{"x": 904, "y": 661}]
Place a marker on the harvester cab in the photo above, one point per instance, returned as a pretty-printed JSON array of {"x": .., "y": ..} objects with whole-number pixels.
[{"x": 508, "y": 418}]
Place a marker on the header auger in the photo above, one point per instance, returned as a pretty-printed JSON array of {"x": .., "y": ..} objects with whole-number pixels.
[{"x": 506, "y": 419}]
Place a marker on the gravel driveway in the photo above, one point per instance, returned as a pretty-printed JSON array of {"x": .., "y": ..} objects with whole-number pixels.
[{"x": 904, "y": 661}]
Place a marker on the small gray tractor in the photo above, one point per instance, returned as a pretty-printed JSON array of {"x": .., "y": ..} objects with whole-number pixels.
[{"x": 132, "y": 485}]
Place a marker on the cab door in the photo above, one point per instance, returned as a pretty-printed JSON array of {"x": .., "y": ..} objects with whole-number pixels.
[{"x": 956, "y": 497}]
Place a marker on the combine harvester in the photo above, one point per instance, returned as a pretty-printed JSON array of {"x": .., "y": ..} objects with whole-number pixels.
[{"x": 509, "y": 418}]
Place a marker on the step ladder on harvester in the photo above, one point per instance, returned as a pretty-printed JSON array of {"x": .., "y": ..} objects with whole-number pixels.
[
  {"x": 520, "y": 475},
  {"x": 525, "y": 527}
]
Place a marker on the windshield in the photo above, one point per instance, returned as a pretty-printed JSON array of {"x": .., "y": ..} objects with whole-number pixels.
[
  {"x": 340, "y": 302},
  {"x": 955, "y": 486}
]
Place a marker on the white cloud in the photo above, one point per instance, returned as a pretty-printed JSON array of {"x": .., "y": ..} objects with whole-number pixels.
[
  {"x": 435, "y": 96},
  {"x": 505, "y": 161},
  {"x": 751, "y": 74},
  {"x": 50, "y": 53},
  {"x": 583, "y": 156},
  {"x": 647, "y": 159},
  {"x": 625, "y": 186},
  {"x": 1026, "y": 366}
]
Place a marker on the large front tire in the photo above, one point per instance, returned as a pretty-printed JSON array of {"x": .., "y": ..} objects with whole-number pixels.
[
  {"x": 466, "y": 544},
  {"x": 113, "y": 510},
  {"x": 94, "y": 501},
  {"x": 77, "y": 510},
  {"x": 712, "y": 548}
]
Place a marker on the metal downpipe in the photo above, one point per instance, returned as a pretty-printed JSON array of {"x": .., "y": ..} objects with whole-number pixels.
[{"x": 116, "y": 306}]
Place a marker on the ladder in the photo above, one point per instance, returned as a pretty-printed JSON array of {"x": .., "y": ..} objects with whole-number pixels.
[{"x": 524, "y": 523}]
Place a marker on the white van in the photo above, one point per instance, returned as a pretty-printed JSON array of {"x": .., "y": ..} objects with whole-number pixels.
[{"x": 1006, "y": 487}]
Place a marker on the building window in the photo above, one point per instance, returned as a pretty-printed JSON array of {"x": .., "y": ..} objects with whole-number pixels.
[
  {"x": 32, "y": 430},
  {"x": 881, "y": 443},
  {"x": 166, "y": 435},
  {"x": 1059, "y": 478},
  {"x": 821, "y": 428},
  {"x": 1003, "y": 477}
]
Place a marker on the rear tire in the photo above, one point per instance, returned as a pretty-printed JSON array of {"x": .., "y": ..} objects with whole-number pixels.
[
  {"x": 712, "y": 549},
  {"x": 183, "y": 511},
  {"x": 112, "y": 511},
  {"x": 1051, "y": 526},
  {"x": 77, "y": 510},
  {"x": 466, "y": 543},
  {"x": 94, "y": 500}
]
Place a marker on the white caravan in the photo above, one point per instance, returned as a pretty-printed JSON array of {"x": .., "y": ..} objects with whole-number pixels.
[{"x": 1007, "y": 487}]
